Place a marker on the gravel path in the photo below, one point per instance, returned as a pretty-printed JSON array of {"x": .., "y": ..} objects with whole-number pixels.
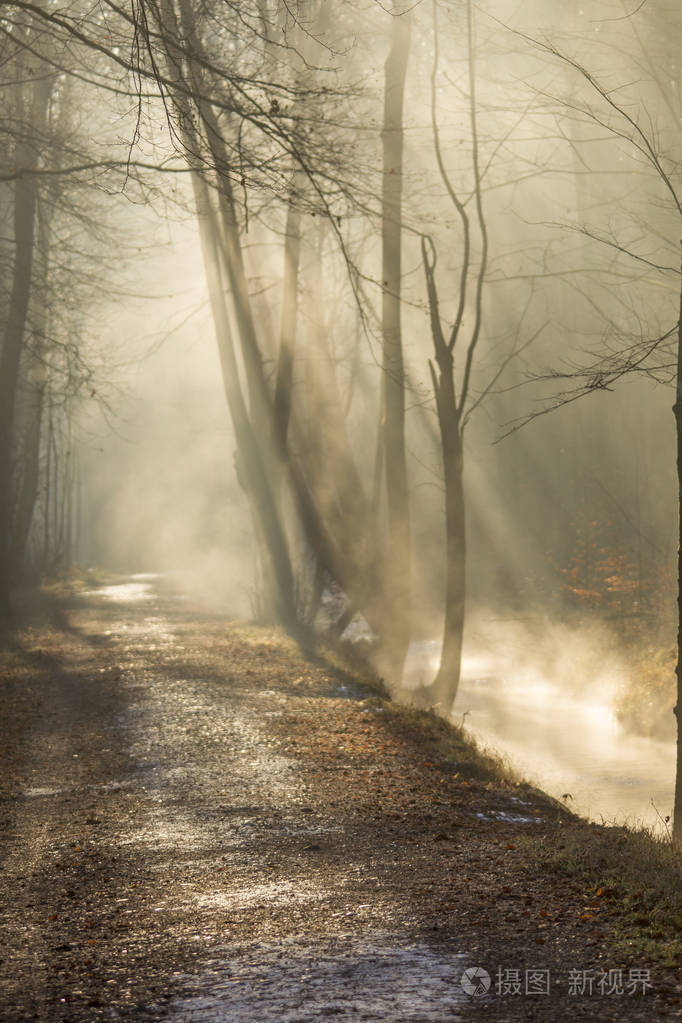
[{"x": 199, "y": 825}]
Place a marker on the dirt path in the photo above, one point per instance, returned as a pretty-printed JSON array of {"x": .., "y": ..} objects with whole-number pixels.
[{"x": 200, "y": 826}]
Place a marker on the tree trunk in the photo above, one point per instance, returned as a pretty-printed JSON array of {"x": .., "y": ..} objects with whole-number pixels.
[
  {"x": 287, "y": 341},
  {"x": 396, "y": 636},
  {"x": 326, "y": 455},
  {"x": 36, "y": 379},
  {"x": 677, "y": 409},
  {"x": 48, "y": 490},
  {"x": 443, "y": 690},
  {"x": 25, "y": 201},
  {"x": 446, "y": 682},
  {"x": 30, "y": 460}
]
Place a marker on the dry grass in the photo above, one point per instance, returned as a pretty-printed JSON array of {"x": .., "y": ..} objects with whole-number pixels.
[{"x": 637, "y": 874}]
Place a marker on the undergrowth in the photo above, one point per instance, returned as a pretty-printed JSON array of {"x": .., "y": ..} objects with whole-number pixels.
[{"x": 634, "y": 878}]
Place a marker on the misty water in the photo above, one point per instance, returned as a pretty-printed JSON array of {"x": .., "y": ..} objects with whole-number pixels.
[{"x": 565, "y": 742}]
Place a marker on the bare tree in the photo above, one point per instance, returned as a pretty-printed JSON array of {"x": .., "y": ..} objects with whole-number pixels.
[{"x": 453, "y": 403}]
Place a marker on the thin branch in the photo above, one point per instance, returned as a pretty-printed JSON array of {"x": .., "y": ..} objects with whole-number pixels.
[
  {"x": 456, "y": 201},
  {"x": 483, "y": 263}
]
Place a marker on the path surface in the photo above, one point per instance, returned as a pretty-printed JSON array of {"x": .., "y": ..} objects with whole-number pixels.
[{"x": 200, "y": 826}]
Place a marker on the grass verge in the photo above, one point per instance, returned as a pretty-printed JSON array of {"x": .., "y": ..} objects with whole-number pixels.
[{"x": 633, "y": 878}]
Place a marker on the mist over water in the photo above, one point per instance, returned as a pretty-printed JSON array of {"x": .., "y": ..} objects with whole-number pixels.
[{"x": 545, "y": 699}]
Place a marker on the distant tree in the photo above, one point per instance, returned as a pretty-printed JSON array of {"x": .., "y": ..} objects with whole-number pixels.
[
  {"x": 56, "y": 252},
  {"x": 29, "y": 98}
]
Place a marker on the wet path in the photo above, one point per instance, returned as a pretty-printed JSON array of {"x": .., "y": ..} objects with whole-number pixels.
[
  {"x": 146, "y": 767},
  {"x": 201, "y": 826}
]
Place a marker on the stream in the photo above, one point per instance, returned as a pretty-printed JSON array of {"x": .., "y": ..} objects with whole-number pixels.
[{"x": 569, "y": 744}]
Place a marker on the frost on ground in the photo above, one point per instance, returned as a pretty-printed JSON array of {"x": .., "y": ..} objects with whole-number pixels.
[{"x": 349, "y": 979}]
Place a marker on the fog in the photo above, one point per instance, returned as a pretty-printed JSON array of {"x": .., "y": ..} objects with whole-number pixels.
[
  {"x": 238, "y": 313},
  {"x": 159, "y": 488}
]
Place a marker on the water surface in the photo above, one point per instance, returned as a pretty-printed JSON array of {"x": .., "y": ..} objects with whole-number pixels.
[{"x": 569, "y": 743}]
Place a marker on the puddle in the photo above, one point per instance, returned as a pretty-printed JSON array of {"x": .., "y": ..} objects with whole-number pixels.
[
  {"x": 350, "y": 979},
  {"x": 45, "y": 791},
  {"x": 124, "y": 592},
  {"x": 39, "y": 791},
  {"x": 509, "y": 818},
  {"x": 115, "y": 786},
  {"x": 343, "y": 692}
]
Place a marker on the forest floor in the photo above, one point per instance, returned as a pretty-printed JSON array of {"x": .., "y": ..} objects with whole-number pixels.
[{"x": 200, "y": 825}]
